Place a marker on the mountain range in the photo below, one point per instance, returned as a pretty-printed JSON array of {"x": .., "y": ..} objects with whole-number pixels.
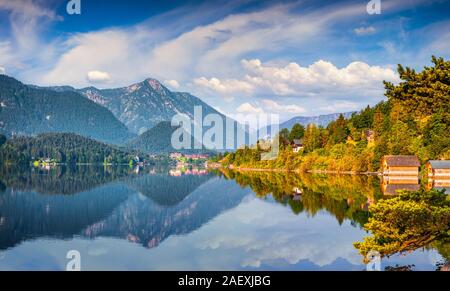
[
  {"x": 321, "y": 120},
  {"x": 137, "y": 116},
  {"x": 143, "y": 105},
  {"x": 114, "y": 116}
]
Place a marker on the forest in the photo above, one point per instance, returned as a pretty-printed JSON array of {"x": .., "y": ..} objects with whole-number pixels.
[{"x": 62, "y": 148}]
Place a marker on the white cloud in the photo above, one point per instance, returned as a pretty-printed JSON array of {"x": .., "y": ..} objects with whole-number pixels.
[
  {"x": 146, "y": 49},
  {"x": 98, "y": 77},
  {"x": 263, "y": 113},
  {"x": 108, "y": 50},
  {"x": 202, "y": 50},
  {"x": 6, "y": 53},
  {"x": 28, "y": 8},
  {"x": 228, "y": 99},
  {"x": 259, "y": 114},
  {"x": 27, "y": 18},
  {"x": 225, "y": 86},
  {"x": 165, "y": 51},
  {"x": 438, "y": 45},
  {"x": 340, "y": 106},
  {"x": 248, "y": 108},
  {"x": 321, "y": 78},
  {"x": 274, "y": 107},
  {"x": 2, "y": 71},
  {"x": 364, "y": 30},
  {"x": 172, "y": 84},
  {"x": 25, "y": 49}
]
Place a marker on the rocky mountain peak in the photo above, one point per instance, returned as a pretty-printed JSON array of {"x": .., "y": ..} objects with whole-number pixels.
[{"x": 154, "y": 84}]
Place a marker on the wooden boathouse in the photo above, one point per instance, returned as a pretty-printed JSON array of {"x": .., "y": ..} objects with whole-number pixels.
[{"x": 401, "y": 166}]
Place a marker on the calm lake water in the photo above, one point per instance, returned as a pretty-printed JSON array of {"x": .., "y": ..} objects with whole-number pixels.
[{"x": 156, "y": 219}]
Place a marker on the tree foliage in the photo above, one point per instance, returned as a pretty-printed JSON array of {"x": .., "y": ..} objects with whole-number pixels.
[
  {"x": 312, "y": 139},
  {"x": 297, "y": 132},
  {"x": 425, "y": 93},
  {"x": 407, "y": 222}
]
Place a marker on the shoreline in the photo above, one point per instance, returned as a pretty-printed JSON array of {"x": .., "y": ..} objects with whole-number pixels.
[
  {"x": 298, "y": 171},
  {"x": 344, "y": 172}
]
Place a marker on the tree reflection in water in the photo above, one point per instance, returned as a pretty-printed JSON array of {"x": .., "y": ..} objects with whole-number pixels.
[{"x": 344, "y": 196}]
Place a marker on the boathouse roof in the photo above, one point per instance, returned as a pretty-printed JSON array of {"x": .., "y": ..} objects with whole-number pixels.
[
  {"x": 402, "y": 161},
  {"x": 440, "y": 164}
]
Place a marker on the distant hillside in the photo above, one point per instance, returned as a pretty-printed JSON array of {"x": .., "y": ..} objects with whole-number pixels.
[
  {"x": 159, "y": 140},
  {"x": 64, "y": 148},
  {"x": 143, "y": 105},
  {"x": 29, "y": 110},
  {"x": 321, "y": 120}
]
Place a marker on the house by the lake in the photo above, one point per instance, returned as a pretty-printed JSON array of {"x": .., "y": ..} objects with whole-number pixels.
[
  {"x": 401, "y": 165},
  {"x": 439, "y": 175},
  {"x": 438, "y": 169},
  {"x": 297, "y": 145},
  {"x": 370, "y": 135},
  {"x": 439, "y": 185}
]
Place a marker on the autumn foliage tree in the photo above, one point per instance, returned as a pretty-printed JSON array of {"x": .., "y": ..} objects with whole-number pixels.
[
  {"x": 407, "y": 222},
  {"x": 425, "y": 93}
]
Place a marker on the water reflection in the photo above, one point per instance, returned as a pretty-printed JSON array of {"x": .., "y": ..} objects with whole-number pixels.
[
  {"x": 144, "y": 208},
  {"x": 392, "y": 184},
  {"x": 343, "y": 196},
  {"x": 28, "y": 215},
  {"x": 60, "y": 180},
  {"x": 149, "y": 222},
  {"x": 440, "y": 184},
  {"x": 166, "y": 190},
  {"x": 144, "y": 219}
]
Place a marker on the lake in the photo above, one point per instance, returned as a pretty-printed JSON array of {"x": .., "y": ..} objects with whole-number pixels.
[{"x": 161, "y": 219}]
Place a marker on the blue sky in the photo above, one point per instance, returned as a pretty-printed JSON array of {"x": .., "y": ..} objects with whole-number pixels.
[{"x": 285, "y": 57}]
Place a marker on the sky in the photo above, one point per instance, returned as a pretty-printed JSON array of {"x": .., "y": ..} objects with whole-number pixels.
[{"x": 284, "y": 57}]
